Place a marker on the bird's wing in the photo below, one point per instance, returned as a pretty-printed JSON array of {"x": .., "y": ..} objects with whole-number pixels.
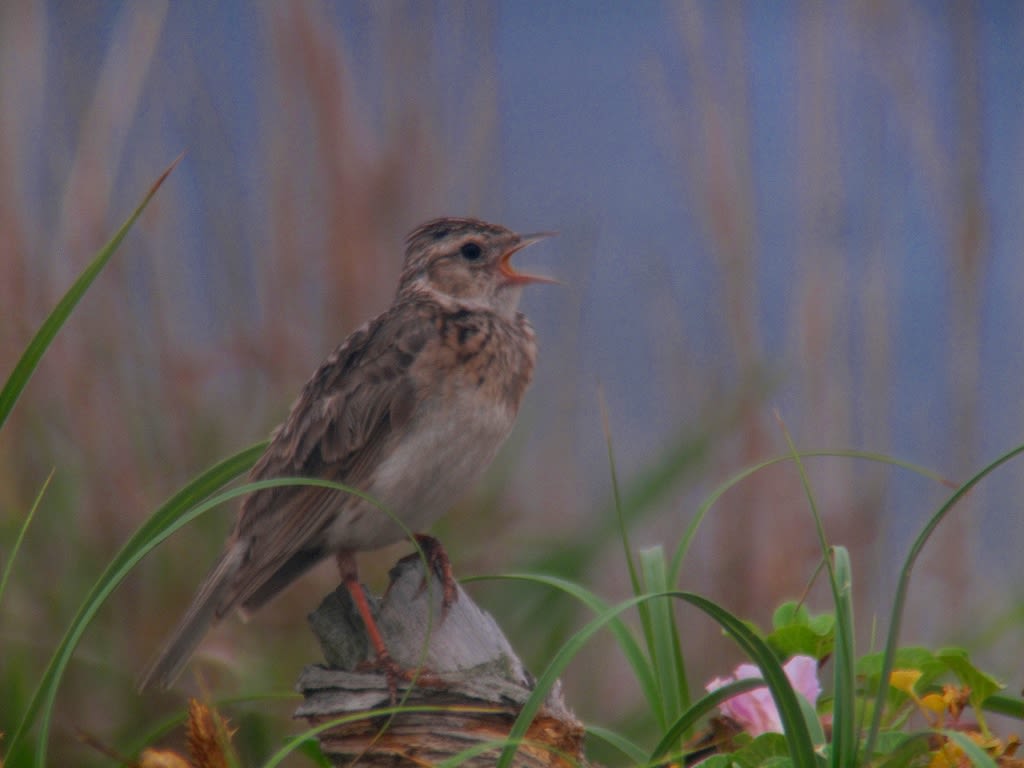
[{"x": 339, "y": 429}]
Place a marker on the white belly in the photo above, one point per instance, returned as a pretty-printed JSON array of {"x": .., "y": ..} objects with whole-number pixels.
[{"x": 440, "y": 458}]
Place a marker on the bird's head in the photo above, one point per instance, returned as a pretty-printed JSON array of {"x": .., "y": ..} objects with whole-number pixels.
[{"x": 469, "y": 260}]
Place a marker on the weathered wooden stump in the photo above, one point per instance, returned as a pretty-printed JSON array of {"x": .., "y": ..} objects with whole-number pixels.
[{"x": 475, "y": 689}]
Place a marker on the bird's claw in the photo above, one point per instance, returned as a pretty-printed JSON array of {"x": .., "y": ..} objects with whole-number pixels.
[{"x": 437, "y": 560}]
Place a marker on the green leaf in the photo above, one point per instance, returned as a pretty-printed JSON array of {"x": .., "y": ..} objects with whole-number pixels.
[
  {"x": 823, "y": 624},
  {"x": 793, "y": 640},
  {"x": 911, "y": 657},
  {"x": 797, "y": 632},
  {"x": 33, "y": 353},
  {"x": 768, "y": 749},
  {"x": 899, "y": 750},
  {"x": 981, "y": 684},
  {"x": 791, "y": 613}
]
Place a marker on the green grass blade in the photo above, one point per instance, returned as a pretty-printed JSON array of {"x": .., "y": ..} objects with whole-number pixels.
[
  {"x": 664, "y": 638},
  {"x": 717, "y": 493},
  {"x": 617, "y": 496},
  {"x": 796, "y": 732},
  {"x": 844, "y": 741},
  {"x": 21, "y": 534},
  {"x": 651, "y": 486},
  {"x": 632, "y": 751},
  {"x": 798, "y": 737},
  {"x": 152, "y": 532},
  {"x": 166, "y": 521},
  {"x": 693, "y": 715},
  {"x": 1001, "y": 704},
  {"x": 642, "y": 669},
  {"x": 844, "y": 703},
  {"x": 657, "y": 702},
  {"x": 33, "y": 353},
  {"x": 904, "y": 583},
  {"x": 554, "y": 670}
]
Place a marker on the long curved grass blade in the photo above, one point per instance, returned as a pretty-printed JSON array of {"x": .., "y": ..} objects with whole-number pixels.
[
  {"x": 642, "y": 669},
  {"x": 904, "y": 583},
  {"x": 33, "y": 353},
  {"x": 844, "y": 741},
  {"x": 700, "y": 708},
  {"x": 652, "y": 485},
  {"x": 717, "y": 493},
  {"x": 21, "y": 534},
  {"x": 160, "y": 526},
  {"x": 632, "y": 751},
  {"x": 798, "y": 737},
  {"x": 154, "y": 530},
  {"x": 796, "y": 733},
  {"x": 554, "y": 670}
]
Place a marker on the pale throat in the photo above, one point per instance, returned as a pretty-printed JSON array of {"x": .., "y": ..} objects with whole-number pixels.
[{"x": 505, "y": 302}]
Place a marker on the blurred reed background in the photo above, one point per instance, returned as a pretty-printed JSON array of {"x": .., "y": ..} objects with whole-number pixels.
[{"x": 797, "y": 205}]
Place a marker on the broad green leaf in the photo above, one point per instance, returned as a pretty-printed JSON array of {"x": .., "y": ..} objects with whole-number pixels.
[
  {"x": 789, "y": 614},
  {"x": 793, "y": 640}
]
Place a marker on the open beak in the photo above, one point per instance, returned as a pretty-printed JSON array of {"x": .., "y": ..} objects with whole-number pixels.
[{"x": 505, "y": 265}]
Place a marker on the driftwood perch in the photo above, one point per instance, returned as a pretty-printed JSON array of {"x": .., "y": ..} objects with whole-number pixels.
[{"x": 476, "y": 683}]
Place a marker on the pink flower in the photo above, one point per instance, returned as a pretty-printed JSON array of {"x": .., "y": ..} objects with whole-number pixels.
[{"x": 755, "y": 710}]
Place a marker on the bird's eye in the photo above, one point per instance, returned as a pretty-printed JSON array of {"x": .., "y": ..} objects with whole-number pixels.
[{"x": 471, "y": 251}]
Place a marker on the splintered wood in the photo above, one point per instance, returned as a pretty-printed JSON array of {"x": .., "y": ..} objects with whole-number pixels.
[{"x": 464, "y": 702}]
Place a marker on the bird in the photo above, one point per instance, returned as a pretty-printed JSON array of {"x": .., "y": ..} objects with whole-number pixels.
[{"x": 410, "y": 409}]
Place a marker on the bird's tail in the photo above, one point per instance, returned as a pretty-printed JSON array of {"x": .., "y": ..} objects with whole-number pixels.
[{"x": 207, "y": 607}]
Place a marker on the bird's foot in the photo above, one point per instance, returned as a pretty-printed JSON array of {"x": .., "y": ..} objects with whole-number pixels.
[
  {"x": 395, "y": 674},
  {"x": 437, "y": 560}
]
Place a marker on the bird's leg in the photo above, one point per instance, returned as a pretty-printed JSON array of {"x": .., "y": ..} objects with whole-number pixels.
[
  {"x": 437, "y": 560},
  {"x": 350, "y": 578}
]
